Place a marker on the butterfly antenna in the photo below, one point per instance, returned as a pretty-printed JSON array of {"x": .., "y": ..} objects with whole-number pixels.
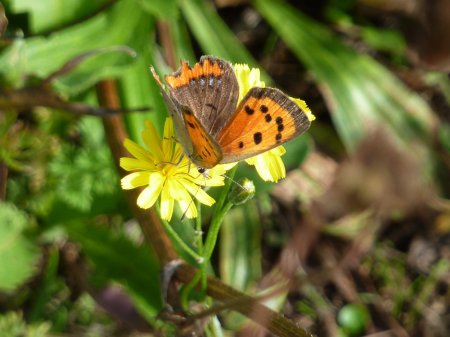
[
  {"x": 198, "y": 188},
  {"x": 236, "y": 182},
  {"x": 204, "y": 172},
  {"x": 190, "y": 203}
]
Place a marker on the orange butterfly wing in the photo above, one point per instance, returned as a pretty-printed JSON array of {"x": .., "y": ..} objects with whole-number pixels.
[
  {"x": 198, "y": 145},
  {"x": 264, "y": 119},
  {"x": 209, "y": 89},
  {"x": 206, "y": 152}
]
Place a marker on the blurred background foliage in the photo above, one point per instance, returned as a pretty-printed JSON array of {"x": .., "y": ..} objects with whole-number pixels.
[{"x": 361, "y": 223}]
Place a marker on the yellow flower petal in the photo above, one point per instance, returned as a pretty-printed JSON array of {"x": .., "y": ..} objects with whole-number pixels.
[
  {"x": 269, "y": 165},
  {"x": 188, "y": 208},
  {"x": 134, "y": 180},
  {"x": 198, "y": 193},
  {"x": 222, "y": 168},
  {"x": 132, "y": 164},
  {"x": 150, "y": 194},
  {"x": 176, "y": 190},
  {"x": 276, "y": 169},
  {"x": 138, "y": 151},
  {"x": 178, "y": 152},
  {"x": 167, "y": 173},
  {"x": 168, "y": 142},
  {"x": 152, "y": 141},
  {"x": 167, "y": 203},
  {"x": 302, "y": 104},
  {"x": 247, "y": 78}
]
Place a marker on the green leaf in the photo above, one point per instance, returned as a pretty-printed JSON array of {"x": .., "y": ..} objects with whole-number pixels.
[
  {"x": 47, "y": 15},
  {"x": 212, "y": 33},
  {"x": 124, "y": 24},
  {"x": 138, "y": 88},
  {"x": 80, "y": 174},
  {"x": 182, "y": 40},
  {"x": 18, "y": 255},
  {"x": 161, "y": 8},
  {"x": 360, "y": 92},
  {"x": 240, "y": 250},
  {"x": 384, "y": 39}
]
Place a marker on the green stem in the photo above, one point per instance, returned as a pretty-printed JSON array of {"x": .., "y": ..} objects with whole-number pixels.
[
  {"x": 225, "y": 190},
  {"x": 213, "y": 232},
  {"x": 223, "y": 206},
  {"x": 176, "y": 238},
  {"x": 200, "y": 250},
  {"x": 198, "y": 230},
  {"x": 186, "y": 290}
]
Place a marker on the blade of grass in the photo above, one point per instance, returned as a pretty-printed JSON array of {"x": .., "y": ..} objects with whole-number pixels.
[
  {"x": 214, "y": 36},
  {"x": 359, "y": 91}
]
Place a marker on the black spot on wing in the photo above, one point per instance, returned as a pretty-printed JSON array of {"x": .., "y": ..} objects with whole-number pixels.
[
  {"x": 249, "y": 110},
  {"x": 257, "y": 137}
]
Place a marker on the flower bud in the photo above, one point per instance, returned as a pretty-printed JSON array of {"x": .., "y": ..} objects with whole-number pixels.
[{"x": 241, "y": 191}]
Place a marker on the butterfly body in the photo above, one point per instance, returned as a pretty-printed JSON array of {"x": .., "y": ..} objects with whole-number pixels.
[{"x": 213, "y": 127}]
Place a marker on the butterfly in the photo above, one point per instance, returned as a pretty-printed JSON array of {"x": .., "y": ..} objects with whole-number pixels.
[{"x": 213, "y": 127}]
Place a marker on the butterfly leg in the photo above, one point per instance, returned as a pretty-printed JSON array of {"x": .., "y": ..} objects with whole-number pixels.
[{"x": 170, "y": 163}]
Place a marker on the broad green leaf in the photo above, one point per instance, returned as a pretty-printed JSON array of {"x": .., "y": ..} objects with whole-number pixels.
[
  {"x": 112, "y": 60},
  {"x": 46, "y": 15},
  {"x": 18, "y": 255},
  {"x": 124, "y": 24},
  {"x": 360, "y": 92}
]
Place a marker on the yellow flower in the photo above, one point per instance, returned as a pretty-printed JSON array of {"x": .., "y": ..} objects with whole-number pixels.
[
  {"x": 269, "y": 165},
  {"x": 166, "y": 173}
]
